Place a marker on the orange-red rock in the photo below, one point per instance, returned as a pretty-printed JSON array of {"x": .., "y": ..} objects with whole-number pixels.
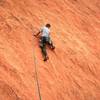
[{"x": 72, "y": 72}]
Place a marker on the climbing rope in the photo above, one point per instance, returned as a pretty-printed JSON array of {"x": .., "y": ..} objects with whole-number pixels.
[{"x": 37, "y": 80}]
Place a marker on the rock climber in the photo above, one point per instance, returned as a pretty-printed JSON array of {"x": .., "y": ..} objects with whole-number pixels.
[{"x": 45, "y": 39}]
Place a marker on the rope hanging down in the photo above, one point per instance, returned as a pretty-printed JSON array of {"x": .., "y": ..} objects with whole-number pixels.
[{"x": 37, "y": 80}]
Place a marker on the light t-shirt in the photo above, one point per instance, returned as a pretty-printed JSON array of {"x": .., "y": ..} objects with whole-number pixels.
[{"x": 45, "y": 32}]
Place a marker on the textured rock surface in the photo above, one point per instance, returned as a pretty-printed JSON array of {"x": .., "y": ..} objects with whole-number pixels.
[{"x": 73, "y": 72}]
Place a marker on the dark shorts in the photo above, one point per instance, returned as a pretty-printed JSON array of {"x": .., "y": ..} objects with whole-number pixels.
[{"x": 44, "y": 41}]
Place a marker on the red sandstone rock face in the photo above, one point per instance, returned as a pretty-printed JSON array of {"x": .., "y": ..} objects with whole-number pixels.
[{"x": 73, "y": 72}]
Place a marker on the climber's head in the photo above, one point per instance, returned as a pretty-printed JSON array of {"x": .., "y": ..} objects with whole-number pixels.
[{"x": 48, "y": 25}]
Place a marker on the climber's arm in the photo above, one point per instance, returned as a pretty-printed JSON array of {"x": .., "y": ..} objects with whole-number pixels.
[
  {"x": 37, "y": 33},
  {"x": 41, "y": 30}
]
